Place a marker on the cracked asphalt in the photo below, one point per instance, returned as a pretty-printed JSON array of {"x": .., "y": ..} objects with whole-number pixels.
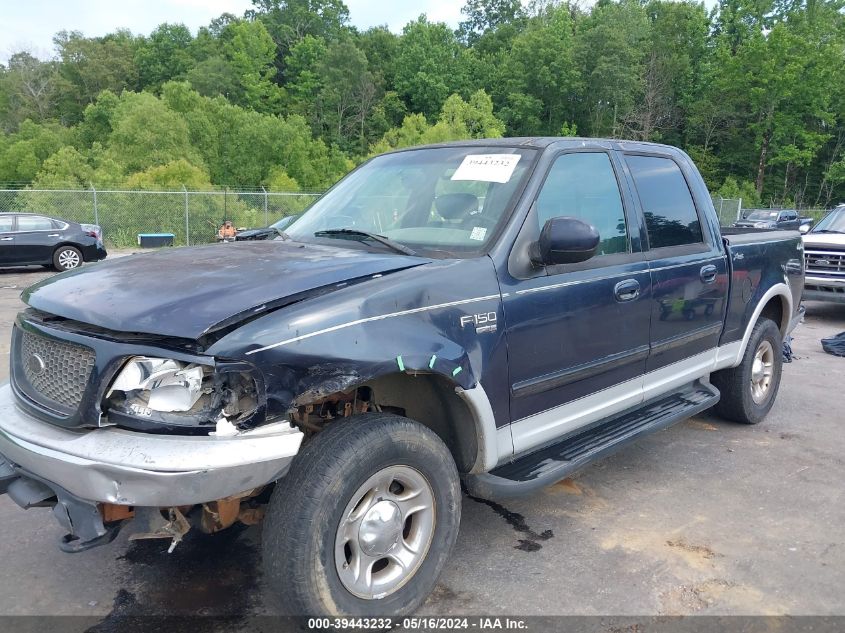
[{"x": 707, "y": 517}]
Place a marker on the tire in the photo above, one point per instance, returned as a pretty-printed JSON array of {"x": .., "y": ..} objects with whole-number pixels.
[
  {"x": 743, "y": 398},
  {"x": 67, "y": 258},
  {"x": 311, "y": 545}
]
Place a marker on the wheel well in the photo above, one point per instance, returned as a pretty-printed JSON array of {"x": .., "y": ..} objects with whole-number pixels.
[
  {"x": 429, "y": 399},
  {"x": 63, "y": 244},
  {"x": 775, "y": 311}
]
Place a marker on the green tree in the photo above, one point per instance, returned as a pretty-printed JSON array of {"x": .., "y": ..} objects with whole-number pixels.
[
  {"x": 540, "y": 80},
  {"x": 611, "y": 51},
  {"x": 26, "y": 150},
  {"x": 173, "y": 175},
  {"x": 164, "y": 55},
  {"x": 458, "y": 120},
  {"x": 146, "y": 133},
  {"x": 486, "y": 16},
  {"x": 250, "y": 50},
  {"x": 428, "y": 65},
  {"x": 90, "y": 65},
  {"x": 28, "y": 90},
  {"x": 288, "y": 21}
]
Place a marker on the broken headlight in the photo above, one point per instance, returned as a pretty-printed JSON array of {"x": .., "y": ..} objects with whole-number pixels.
[{"x": 166, "y": 395}]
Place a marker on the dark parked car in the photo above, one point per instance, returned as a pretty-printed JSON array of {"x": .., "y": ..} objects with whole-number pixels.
[
  {"x": 267, "y": 232},
  {"x": 27, "y": 239},
  {"x": 778, "y": 219}
]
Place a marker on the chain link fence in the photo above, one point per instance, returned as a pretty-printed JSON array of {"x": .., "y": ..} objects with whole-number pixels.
[
  {"x": 729, "y": 210},
  {"x": 193, "y": 217}
]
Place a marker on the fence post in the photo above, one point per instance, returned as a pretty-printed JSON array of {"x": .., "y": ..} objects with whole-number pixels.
[
  {"x": 266, "y": 218},
  {"x": 187, "y": 222},
  {"x": 96, "y": 212},
  {"x": 739, "y": 210}
]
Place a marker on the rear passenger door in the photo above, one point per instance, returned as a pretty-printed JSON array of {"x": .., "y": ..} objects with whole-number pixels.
[
  {"x": 7, "y": 239},
  {"x": 36, "y": 237},
  {"x": 688, "y": 272}
]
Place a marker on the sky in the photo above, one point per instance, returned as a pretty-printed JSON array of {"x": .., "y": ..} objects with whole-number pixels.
[{"x": 31, "y": 24}]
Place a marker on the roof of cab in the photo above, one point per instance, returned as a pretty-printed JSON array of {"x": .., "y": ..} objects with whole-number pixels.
[{"x": 543, "y": 142}]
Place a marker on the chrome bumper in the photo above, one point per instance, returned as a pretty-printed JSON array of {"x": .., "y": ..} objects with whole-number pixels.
[
  {"x": 823, "y": 289},
  {"x": 112, "y": 465}
]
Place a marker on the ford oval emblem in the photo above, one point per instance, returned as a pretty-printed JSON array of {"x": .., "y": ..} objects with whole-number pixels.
[{"x": 35, "y": 364}]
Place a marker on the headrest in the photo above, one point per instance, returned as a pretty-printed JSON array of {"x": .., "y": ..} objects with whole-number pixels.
[{"x": 452, "y": 206}]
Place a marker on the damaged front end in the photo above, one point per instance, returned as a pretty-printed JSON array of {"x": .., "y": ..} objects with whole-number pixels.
[
  {"x": 163, "y": 395},
  {"x": 111, "y": 429}
]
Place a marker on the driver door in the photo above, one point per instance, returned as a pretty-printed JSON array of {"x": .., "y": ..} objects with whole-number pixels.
[{"x": 578, "y": 335}]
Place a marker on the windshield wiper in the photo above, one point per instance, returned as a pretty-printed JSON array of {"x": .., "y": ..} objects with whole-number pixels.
[{"x": 381, "y": 239}]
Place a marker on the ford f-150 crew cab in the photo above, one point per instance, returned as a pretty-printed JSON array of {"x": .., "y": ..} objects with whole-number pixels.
[{"x": 498, "y": 312}]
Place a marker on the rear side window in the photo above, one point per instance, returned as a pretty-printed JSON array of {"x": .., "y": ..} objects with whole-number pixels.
[
  {"x": 34, "y": 223},
  {"x": 6, "y": 223},
  {"x": 667, "y": 203}
]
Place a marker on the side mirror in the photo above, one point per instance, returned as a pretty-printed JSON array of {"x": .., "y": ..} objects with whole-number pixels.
[
  {"x": 805, "y": 228},
  {"x": 564, "y": 240}
]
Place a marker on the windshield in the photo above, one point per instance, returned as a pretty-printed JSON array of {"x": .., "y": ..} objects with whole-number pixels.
[
  {"x": 833, "y": 222},
  {"x": 446, "y": 200},
  {"x": 762, "y": 215}
]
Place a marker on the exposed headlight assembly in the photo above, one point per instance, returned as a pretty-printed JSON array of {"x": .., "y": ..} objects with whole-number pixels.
[
  {"x": 172, "y": 386},
  {"x": 762, "y": 225},
  {"x": 166, "y": 395}
]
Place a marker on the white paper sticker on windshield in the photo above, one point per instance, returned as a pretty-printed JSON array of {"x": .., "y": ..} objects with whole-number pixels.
[
  {"x": 487, "y": 167},
  {"x": 478, "y": 233}
]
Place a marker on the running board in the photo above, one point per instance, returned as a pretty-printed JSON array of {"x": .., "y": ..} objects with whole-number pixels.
[{"x": 549, "y": 465}]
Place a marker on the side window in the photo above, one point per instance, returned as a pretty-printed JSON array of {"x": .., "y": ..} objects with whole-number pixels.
[
  {"x": 6, "y": 223},
  {"x": 34, "y": 223},
  {"x": 584, "y": 186},
  {"x": 667, "y": 203}
]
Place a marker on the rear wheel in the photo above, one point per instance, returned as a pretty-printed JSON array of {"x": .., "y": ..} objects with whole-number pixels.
[
  {"x": 749, "y": 389},
  {"x": 364, "y": 521},
  {"x": 67, "y": 258}
]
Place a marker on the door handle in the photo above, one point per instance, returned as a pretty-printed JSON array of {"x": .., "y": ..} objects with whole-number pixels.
[
  {"x": 6, "y": 239},
  {"x": 708, "y": 274},
  {"x": 627, "y": 290}
]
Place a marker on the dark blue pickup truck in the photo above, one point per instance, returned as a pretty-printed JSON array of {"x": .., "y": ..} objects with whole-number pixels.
[{"x": 498, "y": 312}]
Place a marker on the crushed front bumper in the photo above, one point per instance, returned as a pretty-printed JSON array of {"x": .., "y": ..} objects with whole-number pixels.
[{"x": 111, "y": 465}]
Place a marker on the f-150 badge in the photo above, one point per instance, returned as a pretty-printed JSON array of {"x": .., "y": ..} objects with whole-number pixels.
[{"x": 484, "y": 322}]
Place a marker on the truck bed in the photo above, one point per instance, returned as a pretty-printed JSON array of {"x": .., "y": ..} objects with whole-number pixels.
[{"x": 759, "y": 259}]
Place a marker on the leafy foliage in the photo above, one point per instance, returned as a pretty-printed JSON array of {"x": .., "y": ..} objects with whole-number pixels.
[{"x": 291, "y": 96}]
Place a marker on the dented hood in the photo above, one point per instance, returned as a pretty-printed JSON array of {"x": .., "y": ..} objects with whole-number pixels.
[{"x": 187, "y": 292}]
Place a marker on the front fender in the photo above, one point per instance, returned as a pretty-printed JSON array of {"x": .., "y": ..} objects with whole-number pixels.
[{"x": 420, "y": 320}]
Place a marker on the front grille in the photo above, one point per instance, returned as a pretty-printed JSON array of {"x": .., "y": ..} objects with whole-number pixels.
[
  {"x": 56, "y": 370},
  {"x": 824, "y": 263}
]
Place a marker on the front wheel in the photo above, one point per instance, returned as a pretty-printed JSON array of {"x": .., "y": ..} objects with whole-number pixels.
[
  {"x": 749, "y": 389},
  {"x": 364, "y": 521},
  {"x": 67, "y": 258}
]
